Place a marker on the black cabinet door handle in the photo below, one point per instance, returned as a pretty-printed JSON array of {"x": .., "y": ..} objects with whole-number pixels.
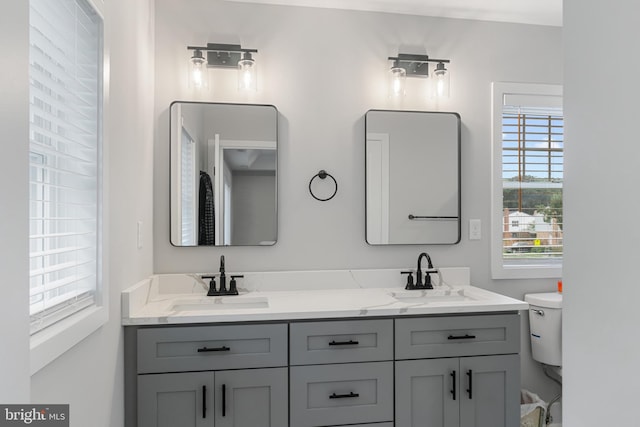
[
  {"x": 461, "y": 337},
  {"x": 224, "y": 400},
  {"x": 470, "y": 389},
  {"x": 204, "y": 401},
  {"x": 342, "y": 396},
  {"x": 453, "y": 382},
  {"x": 207, "y": 349},
  {"x": 350, "y": 342}
]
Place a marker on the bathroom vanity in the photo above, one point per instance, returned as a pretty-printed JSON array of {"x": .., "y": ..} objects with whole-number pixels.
[{"x": 333, "y": 354}]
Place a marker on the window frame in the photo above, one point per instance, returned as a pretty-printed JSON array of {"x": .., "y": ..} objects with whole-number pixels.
[
  {"x": 51, "y": 342},
  {"x": 498, "y": 269}
]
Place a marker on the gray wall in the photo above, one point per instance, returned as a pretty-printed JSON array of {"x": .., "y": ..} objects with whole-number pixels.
[
  {"x": 254, "y": 207},
  {"x": 323, "y": 69},
  {"x": 241, "y": 122},
  {"x": 601, "y": 316}
]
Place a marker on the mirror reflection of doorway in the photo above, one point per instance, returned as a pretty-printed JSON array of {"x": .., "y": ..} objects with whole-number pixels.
[{"x": 245, "y": 191}]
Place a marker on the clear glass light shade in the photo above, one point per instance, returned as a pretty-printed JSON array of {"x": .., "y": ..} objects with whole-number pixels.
[
  {"x": 247, "y": 75},
  {"x": 198, "y": 73},
  {"x": 440, "y": 83},
  {"x": 397, "y": 77}
]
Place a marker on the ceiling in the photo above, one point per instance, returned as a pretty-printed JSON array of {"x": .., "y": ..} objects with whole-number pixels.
[{"x": 539, "y": 12}]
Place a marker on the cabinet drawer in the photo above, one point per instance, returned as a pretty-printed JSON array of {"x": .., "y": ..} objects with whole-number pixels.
[
  {"x": 341, "y": 342},
  {"x": 201, "y": 348},
  {"x": 454, "y": 336},
  {"x": 324, "y": 395}
]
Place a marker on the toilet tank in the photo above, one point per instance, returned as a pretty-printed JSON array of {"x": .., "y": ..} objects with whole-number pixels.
[{"x": 545, "y": 327}]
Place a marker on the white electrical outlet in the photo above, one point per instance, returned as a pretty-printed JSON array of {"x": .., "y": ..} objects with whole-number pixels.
[{"x": 475, "y": 229}]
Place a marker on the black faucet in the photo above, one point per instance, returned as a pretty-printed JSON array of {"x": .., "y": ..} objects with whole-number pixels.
[
  {"x": 223, "y": 282},
  {"x": 427, "y": 277}
]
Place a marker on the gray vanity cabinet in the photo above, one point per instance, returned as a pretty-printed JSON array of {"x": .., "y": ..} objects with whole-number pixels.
[
  {"x": 396, "y": 371},
  {"x": 439, "y": 389},
  {"x": 438, "y": 392},
  {"x": 241, "y": 378},
  {"x": 341, "y": 373},
  {"x": 239, "y": 398},
  {"x": 423, "y": 393},
  {"x": 252, "y": 398},
  {"x": 494, "y": 396},
  {"x": 169, "y": 400}
]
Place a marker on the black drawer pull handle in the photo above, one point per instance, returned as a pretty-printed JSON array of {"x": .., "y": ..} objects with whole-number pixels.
[
  {"x": 461, "y": 337},
  {"x": 207, "y": 350},
  {"x": 224, "y": 400},
  {"x": 350, "y": 342},
  {"x": 470, "y": 389},
  {"x": 204, "y": 401},
  {"x": 342, "y": 396},
  {"x": 453, "y": 383}
]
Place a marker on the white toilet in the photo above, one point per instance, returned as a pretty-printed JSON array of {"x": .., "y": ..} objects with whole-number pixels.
[{"x": 545, "y": 327}]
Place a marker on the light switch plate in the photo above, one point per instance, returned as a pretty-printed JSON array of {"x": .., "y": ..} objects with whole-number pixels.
[
  {"x": 475, "y": 229},
  {"x": 139, "y": 234}
]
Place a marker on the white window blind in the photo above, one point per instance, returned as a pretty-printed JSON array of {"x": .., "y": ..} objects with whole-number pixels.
[
  {"x": 188, "y": 189},
  {"x": 532, "y": 178},
  {"x": 65, "y": 159}
]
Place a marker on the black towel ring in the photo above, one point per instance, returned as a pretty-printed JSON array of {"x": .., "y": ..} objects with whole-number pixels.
[{"x": 322, "y": 175}]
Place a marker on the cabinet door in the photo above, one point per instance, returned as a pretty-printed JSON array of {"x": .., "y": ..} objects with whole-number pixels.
[
  {"x": 171, "y": 400},
  {"x": 427, "y": 393},
  {"x": 491, "y": 391},
  {"x": 252, "y": 398}
]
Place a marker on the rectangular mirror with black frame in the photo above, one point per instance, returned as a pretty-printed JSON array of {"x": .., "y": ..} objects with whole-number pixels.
[
  {"x": 412, "y": 177},
  {"x": 224, "y": 164}
]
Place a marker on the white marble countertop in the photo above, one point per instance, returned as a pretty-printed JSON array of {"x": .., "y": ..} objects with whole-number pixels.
[{"x": 181, "y": 298}]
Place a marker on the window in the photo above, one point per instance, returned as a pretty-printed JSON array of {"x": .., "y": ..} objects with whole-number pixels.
[
  {"x": 65, "y": 160},
  {"x": 528, "y": 170},
  {"x": 188, "y": 193}
]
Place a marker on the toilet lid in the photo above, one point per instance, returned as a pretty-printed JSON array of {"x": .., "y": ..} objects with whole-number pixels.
[{"x": 547, "y": 300}]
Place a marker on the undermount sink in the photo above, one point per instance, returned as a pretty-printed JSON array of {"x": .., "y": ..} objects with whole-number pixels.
[
  {"x": 220, "y": 303},
  {"x": 426, "y": 296}
]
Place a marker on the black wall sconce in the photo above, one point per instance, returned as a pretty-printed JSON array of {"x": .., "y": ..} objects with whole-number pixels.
[
  {"x": 412, "y": 65},
  {"x": 217, "y": 55}
]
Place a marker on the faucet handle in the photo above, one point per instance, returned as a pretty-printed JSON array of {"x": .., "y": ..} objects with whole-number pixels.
[
  {"x": 410, "y": 284},
  {"x": 212, "y": 285},
  {"x": 427, "y": 278},
  {"x": 233, "y": 290}
]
